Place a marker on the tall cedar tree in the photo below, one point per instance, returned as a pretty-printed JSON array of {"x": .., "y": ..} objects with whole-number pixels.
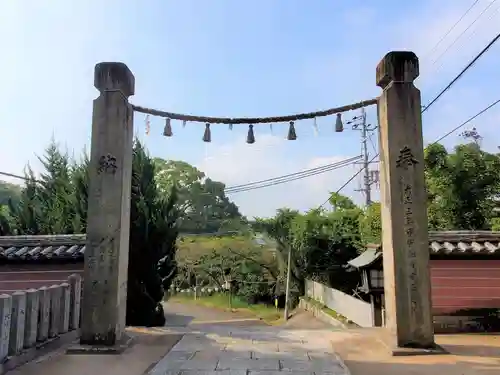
[{"x": 56, "y": 203}]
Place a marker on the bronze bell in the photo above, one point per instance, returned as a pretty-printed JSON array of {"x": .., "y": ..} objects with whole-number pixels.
[
  {"x": 292, "y": 136},
  {"x": 167, "y": 131},
  {"x": 339, "y": 126}
]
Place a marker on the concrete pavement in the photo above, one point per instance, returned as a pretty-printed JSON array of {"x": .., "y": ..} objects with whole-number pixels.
[
  {"x": 222, "y": 350},
  {"x": 227, "y": 343}
]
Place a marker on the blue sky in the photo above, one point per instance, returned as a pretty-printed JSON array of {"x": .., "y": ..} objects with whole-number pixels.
[{"x": 236, "y": 58}]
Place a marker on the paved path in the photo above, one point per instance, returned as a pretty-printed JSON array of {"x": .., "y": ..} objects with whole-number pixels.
[
  {"x": 225, "y": 343},
  {"x": 222, "y": 350},
  {"x": 182, "y": 315}
]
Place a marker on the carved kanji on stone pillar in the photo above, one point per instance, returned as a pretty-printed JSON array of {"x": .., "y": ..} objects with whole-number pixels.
[
  {"x": 108, "y": 221},
  {"x": 404, "y": 213}
]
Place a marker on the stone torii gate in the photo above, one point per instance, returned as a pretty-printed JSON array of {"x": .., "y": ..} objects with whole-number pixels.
[{"x": 404, "y": 217}]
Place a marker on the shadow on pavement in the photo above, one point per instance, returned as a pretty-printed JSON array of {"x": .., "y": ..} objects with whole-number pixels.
[
  {"x": 455, "y": 368},
  {"x": 177, "y": 320}
]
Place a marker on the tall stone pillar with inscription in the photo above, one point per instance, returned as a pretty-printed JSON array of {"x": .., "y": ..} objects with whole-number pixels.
[
  {"x": 108, "y": 220},
  {"x": 404, "y": 214}
]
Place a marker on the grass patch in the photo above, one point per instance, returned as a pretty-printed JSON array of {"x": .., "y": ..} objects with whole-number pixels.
[
  {"x": 332, "y": 313},
  {"x": 221, "y": 301}
]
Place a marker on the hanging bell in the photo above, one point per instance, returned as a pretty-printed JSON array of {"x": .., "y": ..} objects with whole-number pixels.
[
  {"x": 292, "y": 136},
  {"x": 230, "y": 126},
  {"x": 315, "y": 127},
  {"x": 250, "y": 136},
  {"x": 183, "y": 123},
  {"x": 339, "y": 127},
  {"x": 167, "y": 131},
  {"x": 207, "y": 137}
]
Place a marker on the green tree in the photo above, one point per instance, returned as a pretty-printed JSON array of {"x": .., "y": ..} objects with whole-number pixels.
[
  {"x": 26, "y": 214},
  {"x": 153, "y": 234},
  {"x": 371, "y": 224},
  {"x": 9, "y": 192},
  {"x": 202, "y": 201},
  {"x": 462, "y": 187},
  {"x": 56, "y": 203},
  {"x": 55, "y": 192}
]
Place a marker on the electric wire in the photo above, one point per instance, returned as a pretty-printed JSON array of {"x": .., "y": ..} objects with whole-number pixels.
[
  {"x": 286, "y": 175},
  {"x": 273, "y": 183},
  {"x": 463, "y": 32},
  {"x": 454, "y": 80},
  {"x": 438, "y": 68},
  {"x": 451, "y": 29},
  {"x": 436, "y": 141},
  {"x": 434, "y": 101}
]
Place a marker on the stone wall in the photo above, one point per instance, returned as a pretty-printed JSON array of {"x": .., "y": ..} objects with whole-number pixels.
[
  {"x": 354, "y": 309},
  {"x": 23, "y": 276},
  {"x": 35, "y": 316}
]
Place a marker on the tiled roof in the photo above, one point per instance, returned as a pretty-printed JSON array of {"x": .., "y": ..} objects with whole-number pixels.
[
  {"x": 464, "y": 242},
  {"x": 24, "y": 248},
  {"x": 444, "y": 243}
]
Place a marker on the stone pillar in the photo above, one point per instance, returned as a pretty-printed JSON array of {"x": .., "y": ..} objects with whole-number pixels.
[
  {"x": 18, "y": 318},
  {"x": 32, "y": 306},
  {"x": 64, "y": 308},
  {"x": 43, "y": 313},
  {"x": 55, "y": 310},
  {"x": 405, "y": 241},
  {"x": 5, "y": 320},
  {"x": 108, "y": 220},
  {"x": 75, "y": 286}
]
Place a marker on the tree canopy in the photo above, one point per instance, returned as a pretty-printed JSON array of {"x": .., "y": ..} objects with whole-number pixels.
[{"x": 202, "y": 201}]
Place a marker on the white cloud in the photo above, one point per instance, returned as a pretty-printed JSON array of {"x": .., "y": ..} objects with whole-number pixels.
[{"x": 238, "y": 163}]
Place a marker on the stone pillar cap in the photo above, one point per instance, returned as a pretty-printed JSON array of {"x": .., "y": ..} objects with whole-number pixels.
[
  {"x": 114, "y": 76},
  {"x": 397, "y": 66}
]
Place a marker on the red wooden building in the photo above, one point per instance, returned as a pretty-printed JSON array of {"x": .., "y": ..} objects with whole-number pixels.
[
  {"x": 465, "y": 277},
  {"x": 34, "y": 261}
]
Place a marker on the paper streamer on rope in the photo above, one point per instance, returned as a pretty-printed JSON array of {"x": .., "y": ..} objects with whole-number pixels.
[
  {"x": 315, "y": 127},
  {"x": 148, "y": 125}
]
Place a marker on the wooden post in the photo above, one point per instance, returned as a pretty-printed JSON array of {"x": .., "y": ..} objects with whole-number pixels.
[{"x": 405, "y": 240}]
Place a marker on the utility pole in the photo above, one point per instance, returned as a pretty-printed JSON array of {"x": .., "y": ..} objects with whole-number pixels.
[
  {"x": 359, "y": 123},
  {"x": 288, "y": 275},
  {"x": 366, "y": 177}
]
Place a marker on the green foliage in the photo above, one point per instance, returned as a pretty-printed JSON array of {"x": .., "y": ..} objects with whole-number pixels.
[
  {"x": 153, "y": 234},
  {"x": 56, "y": 203},
  {"x": 202, "y": 201},
  {"x": 320, "y": 242},
  {"x": 462, "y": 187},
  {"x": 370, "y": 224},
  {"x": 9, "y": 192},
  {"x": 251, "y": 268}
]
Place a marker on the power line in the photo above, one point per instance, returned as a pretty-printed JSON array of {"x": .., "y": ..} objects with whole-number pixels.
[
  {"x": 18, "y": 176},
  {"x": 451, "y": 29},
  {"x": 280, "y": 177},
  {"x": 466, "y": 122},
  {"x": 277, "y": 182},
  {"x": 434, "y": 101},
  {"x": 436, "y": 141},
  {"x": 469, "y": 37},
  {"x": 463, "y": 32},
  {"x": 316, "y": 169},
  {"x": 485, "y": 49}
]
